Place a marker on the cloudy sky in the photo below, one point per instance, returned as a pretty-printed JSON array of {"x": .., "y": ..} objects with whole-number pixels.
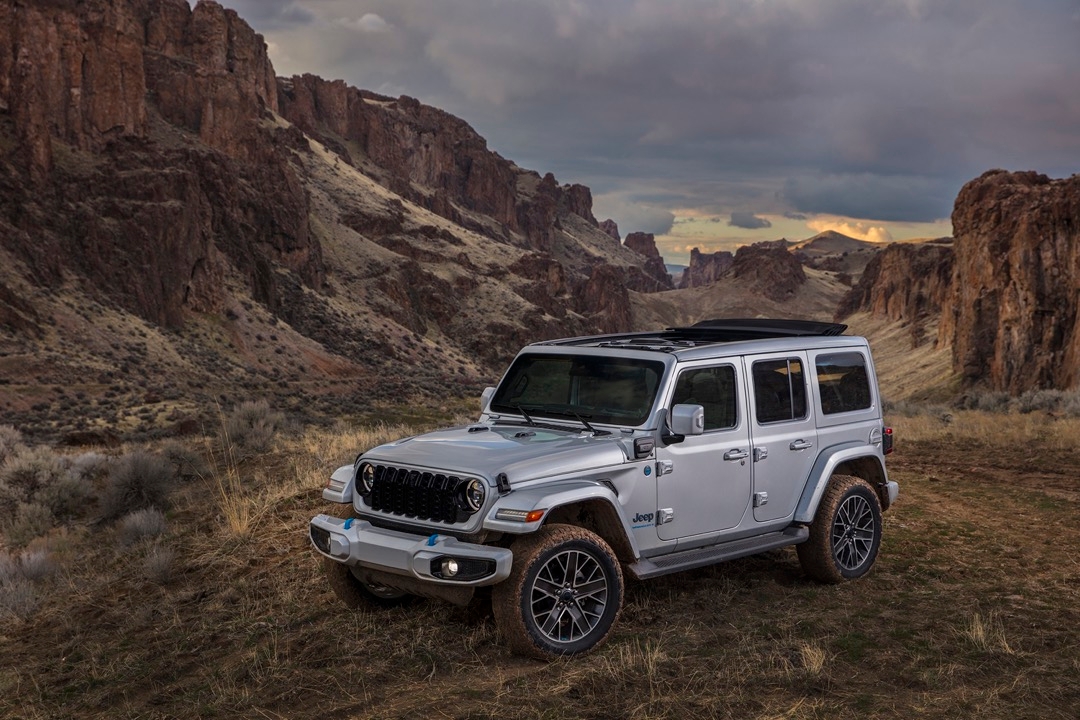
[{"x": 714, "y": 123}]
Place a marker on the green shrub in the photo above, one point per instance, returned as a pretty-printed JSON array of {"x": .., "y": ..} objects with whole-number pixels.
[{"x": 136, "y": 481}]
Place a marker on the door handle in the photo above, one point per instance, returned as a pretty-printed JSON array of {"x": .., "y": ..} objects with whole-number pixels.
[
  {"x": 801, "y": 445},
  {"x": 737, "y": 454}
]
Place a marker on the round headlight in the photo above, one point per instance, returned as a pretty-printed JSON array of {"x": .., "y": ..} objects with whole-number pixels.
[
  {"x": 366, "y": 476},
  {"x": 474, "y": 494}
]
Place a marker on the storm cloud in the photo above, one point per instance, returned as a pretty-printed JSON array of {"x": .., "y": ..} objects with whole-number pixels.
[
  {"x": 875, "y": 110},
  {"x": 748, "y": 221}
]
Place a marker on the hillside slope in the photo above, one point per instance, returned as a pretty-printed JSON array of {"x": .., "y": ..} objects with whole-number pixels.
[{"x": 180, "y": 229}]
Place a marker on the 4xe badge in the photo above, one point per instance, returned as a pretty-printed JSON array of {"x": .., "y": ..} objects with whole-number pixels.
[{"x": 643, "y": 520}]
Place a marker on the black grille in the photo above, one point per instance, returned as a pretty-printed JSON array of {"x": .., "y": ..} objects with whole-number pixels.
[{"x": 418, "y": 494}]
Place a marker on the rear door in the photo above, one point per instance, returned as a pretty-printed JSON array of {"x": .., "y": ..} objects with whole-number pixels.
[
  {"x": 708, "y": 487},
  {"x": 783, "y": 432}
]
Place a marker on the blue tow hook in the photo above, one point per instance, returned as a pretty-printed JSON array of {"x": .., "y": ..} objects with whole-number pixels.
[
  {"x": 348, "y": 523},
  {"x": 432, "y": 540}
]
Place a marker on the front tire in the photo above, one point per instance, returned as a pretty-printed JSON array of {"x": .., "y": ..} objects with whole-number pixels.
[
  {"x": 563, "y": 595},
  {"x": 357, "y": 594},
  {"x": 846, "y": 533}
]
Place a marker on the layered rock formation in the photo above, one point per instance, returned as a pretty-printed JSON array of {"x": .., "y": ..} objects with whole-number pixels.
[
  {"x": 1012, "y": 314},
  {"x": 102, "y": 187},
  {"x": 769, "y": 266},
  {"x": 656, "y": 277},
  {"x": 904, "y": 282},
  {"x": 705, "y": 269},
  {"x": 178, "y": 214}
]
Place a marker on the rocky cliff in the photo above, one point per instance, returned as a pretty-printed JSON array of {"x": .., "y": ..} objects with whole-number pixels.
[
  {"x": 172, "y": 214},
  {"x": 705, "y": 268},
  {"x": 1012, "y": 315},
  {"x": 768, "y": 266},
  {"x": 655, "y": 276},
  {"x": 906, "y": 283},
  {"x": 143, "y": 164}
]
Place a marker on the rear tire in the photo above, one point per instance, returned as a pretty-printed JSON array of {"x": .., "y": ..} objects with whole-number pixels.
[
  {"x": 357, "y": 594},
  {"x": 563, "y": 596},
  {"x": 846, "y": 533}
]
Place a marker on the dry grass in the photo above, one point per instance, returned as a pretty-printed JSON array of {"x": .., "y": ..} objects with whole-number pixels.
[{"x": 969, "y": 613}]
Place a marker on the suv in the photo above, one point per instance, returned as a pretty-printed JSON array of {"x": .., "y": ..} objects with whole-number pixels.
[{"x": 645, "y": 453}]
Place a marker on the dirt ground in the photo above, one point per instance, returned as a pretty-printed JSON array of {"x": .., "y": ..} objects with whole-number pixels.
[{"x": 971, "y": 611}]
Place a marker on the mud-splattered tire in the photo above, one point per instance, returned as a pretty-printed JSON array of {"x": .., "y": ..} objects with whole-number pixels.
[
  {"x": 357, "y": 594},
  {"x": 563, "y": 595},
  {"x": 846, "y": 532}
]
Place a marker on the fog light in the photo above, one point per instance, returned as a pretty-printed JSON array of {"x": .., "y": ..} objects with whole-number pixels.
[{"x": 449, "y": 567}]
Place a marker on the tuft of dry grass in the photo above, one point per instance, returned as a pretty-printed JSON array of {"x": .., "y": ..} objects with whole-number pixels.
[
  {"x": 141, "y": 524},
  {"x": 987, "y": 634},
  {"x": 158, "y": 565}
]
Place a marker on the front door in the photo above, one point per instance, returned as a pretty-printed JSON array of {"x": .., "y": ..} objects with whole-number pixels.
[
  {"x": 783, "y": 432},
  {"x": 708, "y": 487}
]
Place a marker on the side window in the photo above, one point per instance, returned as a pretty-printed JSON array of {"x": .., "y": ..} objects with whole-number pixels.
[
  {"x": 843, "y": 381},
  {"x": 713, "y": 389},
  {"x": 779, "y": 390}
]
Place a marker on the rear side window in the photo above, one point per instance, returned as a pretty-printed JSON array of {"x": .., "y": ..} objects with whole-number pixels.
[
  {"x": 779, "y": 390},
  {"x": 844, "y": 383},
  {"x": 713, "y": 389}
]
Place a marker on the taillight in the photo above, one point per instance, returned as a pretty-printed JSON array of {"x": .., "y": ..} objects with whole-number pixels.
[{"x": 887, "y": 441}]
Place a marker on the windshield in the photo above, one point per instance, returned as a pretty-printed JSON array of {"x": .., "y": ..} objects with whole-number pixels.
[{"x": 611, "y": 390}]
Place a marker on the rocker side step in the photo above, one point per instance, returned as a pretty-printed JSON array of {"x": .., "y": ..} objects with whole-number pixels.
[{"x": 700, "y": 557}]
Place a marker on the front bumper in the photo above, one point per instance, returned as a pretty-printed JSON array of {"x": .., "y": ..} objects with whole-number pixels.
[{"x": 358, "y": 543}]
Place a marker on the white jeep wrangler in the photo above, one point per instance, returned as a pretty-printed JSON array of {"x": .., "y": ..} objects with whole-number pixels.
[{"x": 645, "y": 453}]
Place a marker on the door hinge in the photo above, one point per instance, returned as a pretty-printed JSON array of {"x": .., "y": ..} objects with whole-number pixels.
[
  {"x": 664, "y": 467},
  {"x": 664, "y": 516},
  {"x": 761, "y": 498},
  {"x": 760, "y": 454}
]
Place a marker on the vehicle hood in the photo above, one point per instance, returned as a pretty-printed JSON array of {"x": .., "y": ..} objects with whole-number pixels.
[{"x": 523, "y": 453}]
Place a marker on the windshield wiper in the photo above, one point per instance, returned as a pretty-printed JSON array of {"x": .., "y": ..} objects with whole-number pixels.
[
  {"x": 564, "y": 412},
  {"x": 588, "y": 427},
  {"x": 524, "y": 414}
]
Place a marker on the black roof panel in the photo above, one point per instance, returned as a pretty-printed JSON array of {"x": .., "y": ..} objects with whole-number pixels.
[{"x": 708, "y": 332}]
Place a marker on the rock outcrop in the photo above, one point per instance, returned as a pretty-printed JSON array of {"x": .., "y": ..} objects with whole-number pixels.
[
  {"x": 771, "y": 268},
  {"x": 904, "y": 282},
  {"x": 408, "y": 145},
  {"x": 152, "y": 221},
  {"x": 611, "y": 228},
  {"x": 767, "y": 266},
  {"x": 1012, "y": 315},
  {"x": 655, "y": 276},
  {"x": 705, "y": 269}
]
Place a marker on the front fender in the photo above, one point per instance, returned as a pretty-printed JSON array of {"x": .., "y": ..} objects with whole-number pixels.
[
  {"x": 340, "y": 487},
  {"x": 551, "y": 496},
  {"x": 827, "y": 462}
]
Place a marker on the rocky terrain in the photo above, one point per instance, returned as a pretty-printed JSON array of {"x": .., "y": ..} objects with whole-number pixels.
[
  {"x": 183, "y": 229},
  {"x": 905, "y": 283},
  {"x": 1012, "y": 315}
]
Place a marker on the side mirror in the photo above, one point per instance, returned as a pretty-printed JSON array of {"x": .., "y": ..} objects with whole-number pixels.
[
  {"x": 485, "y": 398},
  {"x": 687, "y": 420}
]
